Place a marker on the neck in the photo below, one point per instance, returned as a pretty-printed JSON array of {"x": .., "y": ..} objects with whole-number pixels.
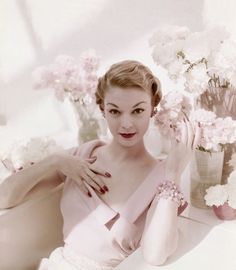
[{"x": 122, "y": 153}]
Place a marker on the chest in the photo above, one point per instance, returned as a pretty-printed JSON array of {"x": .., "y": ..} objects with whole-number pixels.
[{"x": 124, "y": 182}]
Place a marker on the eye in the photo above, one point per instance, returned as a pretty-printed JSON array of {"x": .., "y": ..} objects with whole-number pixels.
[
  {"x": 114, "y": 111},
  {"x": 138, "y": 111}
]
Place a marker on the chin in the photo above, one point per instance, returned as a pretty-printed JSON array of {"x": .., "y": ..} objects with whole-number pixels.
[{"x": 128, "y": 142}]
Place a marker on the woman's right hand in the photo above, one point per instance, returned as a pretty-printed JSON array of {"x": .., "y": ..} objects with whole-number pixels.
[{"x": 81, "y": 171}]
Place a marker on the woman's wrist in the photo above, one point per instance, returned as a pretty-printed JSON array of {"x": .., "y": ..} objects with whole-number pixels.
[{"x": 170, "y": 190}]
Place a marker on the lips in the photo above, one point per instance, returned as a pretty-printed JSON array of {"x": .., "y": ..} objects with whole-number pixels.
[{"x": 127, "y": 135}]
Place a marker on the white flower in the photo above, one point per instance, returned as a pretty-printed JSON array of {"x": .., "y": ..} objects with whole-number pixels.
[
  {"x": 169, "y": 33},
  {"x": 203, "y": 116},
  {"x": 219, "y": 194},
  {"x": 69, "y": 78},
  {"x": 196, "y": 79},
  {"x": 25, "y": 152},
  {"x": 216, "y": 195},
  {"x": 197, "y": 53}
]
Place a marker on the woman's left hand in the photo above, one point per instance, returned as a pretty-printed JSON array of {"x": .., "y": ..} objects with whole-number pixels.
[{"x": 181, "y": 151}]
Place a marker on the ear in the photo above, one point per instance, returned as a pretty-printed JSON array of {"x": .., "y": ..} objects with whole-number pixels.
[
  {"x": 154, "y": 112},
  {"x": 103, "y": 113}
]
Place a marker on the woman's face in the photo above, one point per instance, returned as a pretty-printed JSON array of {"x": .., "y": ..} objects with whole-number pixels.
[{"x": 127, "y": 112}]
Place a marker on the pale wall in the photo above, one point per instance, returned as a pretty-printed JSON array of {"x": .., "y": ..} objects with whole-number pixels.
[{"x": 34, "y": 32}]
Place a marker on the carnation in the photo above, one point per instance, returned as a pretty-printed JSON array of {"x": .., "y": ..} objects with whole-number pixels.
[
  {"x": 219, "y": 194},
  {"x": 176, "y": 46},
  {"x": 23, "y": 153},
  {"x": 68, "y": 77},
  {"x": 173, "y": 108}
]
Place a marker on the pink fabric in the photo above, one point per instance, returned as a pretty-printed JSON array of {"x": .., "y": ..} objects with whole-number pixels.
[{"x": 93, "y": 229}]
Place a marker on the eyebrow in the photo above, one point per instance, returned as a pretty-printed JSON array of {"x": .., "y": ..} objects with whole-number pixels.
[{"x": 112, "y": 104}]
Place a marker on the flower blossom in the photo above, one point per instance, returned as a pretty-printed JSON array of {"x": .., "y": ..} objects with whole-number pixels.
[
  {"x": 219, "y": 194},
  {"x": 69, "y": 78},
  {"x": 23, "y": 153}
]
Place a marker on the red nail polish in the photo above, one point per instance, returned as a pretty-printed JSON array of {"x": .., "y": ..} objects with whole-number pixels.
[
  {"x": 106, "y": 188},
  {"x": 103, "y": 191},
  {"x": 108, "y": 174}
]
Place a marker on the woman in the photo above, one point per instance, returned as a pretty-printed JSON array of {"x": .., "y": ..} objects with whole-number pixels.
[{"x": 115, "y": 196}]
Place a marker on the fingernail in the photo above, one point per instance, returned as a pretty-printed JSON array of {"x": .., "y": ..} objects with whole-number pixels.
[
  {"x": 89, "y": 194},
  {"x": 94, "y": 157},
  {"x": 108, "y": 174},
  {"x": 106, "y": 188},
  {"x": 101, "y": 190}
]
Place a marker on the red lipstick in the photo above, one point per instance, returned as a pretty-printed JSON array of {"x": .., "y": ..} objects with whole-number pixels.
[{"x": 127, "y": 135}]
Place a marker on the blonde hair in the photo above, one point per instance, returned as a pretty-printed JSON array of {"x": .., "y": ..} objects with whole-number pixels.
[{"x": 129, "y": 73}]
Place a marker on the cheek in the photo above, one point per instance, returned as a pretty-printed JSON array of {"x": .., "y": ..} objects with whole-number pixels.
[
  {"x": 112, "y": 122},
  {"x": 144, "y": 123}
]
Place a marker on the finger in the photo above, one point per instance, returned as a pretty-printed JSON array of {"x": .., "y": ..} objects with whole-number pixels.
[
  {"x": 99, "y": 171},
  {"x": 97, "y": 179},
  {"x": 92, "y": 183},
  {"x": 91, "y": 160},
  {"x": 83, "y": 188}
]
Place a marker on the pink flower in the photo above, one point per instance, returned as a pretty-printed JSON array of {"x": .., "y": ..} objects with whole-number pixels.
[
  {"x": 173, "y": 108},
  {"x": 69, "y": 78},
  {"x": 90, "y": 61},
  {"x": 43, "y": 77}
]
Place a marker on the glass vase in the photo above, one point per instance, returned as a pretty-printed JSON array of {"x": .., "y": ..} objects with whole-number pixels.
[
  {"x": 221, "y": 101},
  {"x": 205, "y": 171},
  {"x": 88, "y": 122}
]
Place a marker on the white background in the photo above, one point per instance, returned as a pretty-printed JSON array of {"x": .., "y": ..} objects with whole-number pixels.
[{"x": 33, "y": 33}]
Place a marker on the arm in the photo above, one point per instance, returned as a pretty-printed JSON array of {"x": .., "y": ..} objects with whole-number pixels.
[
  {"x": 39, "y": 176},
  {"x": 48, "y": 173},
  {"x": 160, "y": 236}
]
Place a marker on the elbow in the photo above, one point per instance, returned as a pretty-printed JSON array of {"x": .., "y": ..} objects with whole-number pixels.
[
  {"x": 6, "y": 203},
  {"x": 156, "y": 259},
  {"x": 7, "y": 199},
  {"x": 157, "y": 254}
]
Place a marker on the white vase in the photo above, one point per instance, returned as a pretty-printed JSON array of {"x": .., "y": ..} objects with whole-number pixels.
[{"x": 205, "y": 171}]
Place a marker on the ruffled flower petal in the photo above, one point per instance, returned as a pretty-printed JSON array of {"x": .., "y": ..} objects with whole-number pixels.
[{"x": 216, "y": 195}]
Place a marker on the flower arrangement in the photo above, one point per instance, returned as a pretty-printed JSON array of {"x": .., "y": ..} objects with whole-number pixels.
[
  {"x": 23, "y": 153},
  {"x": 205, "y": 62},
  {"x": 219, "y": 194},
  {"x": 214, "y": 131},
  {"x": 223, "y": 197},
  {"x": 173, "y": 107},
  {"x": 77, "y": 81}
]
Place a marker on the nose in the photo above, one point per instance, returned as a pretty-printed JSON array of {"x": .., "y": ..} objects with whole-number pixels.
[{"x": 126, "y": 121}]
